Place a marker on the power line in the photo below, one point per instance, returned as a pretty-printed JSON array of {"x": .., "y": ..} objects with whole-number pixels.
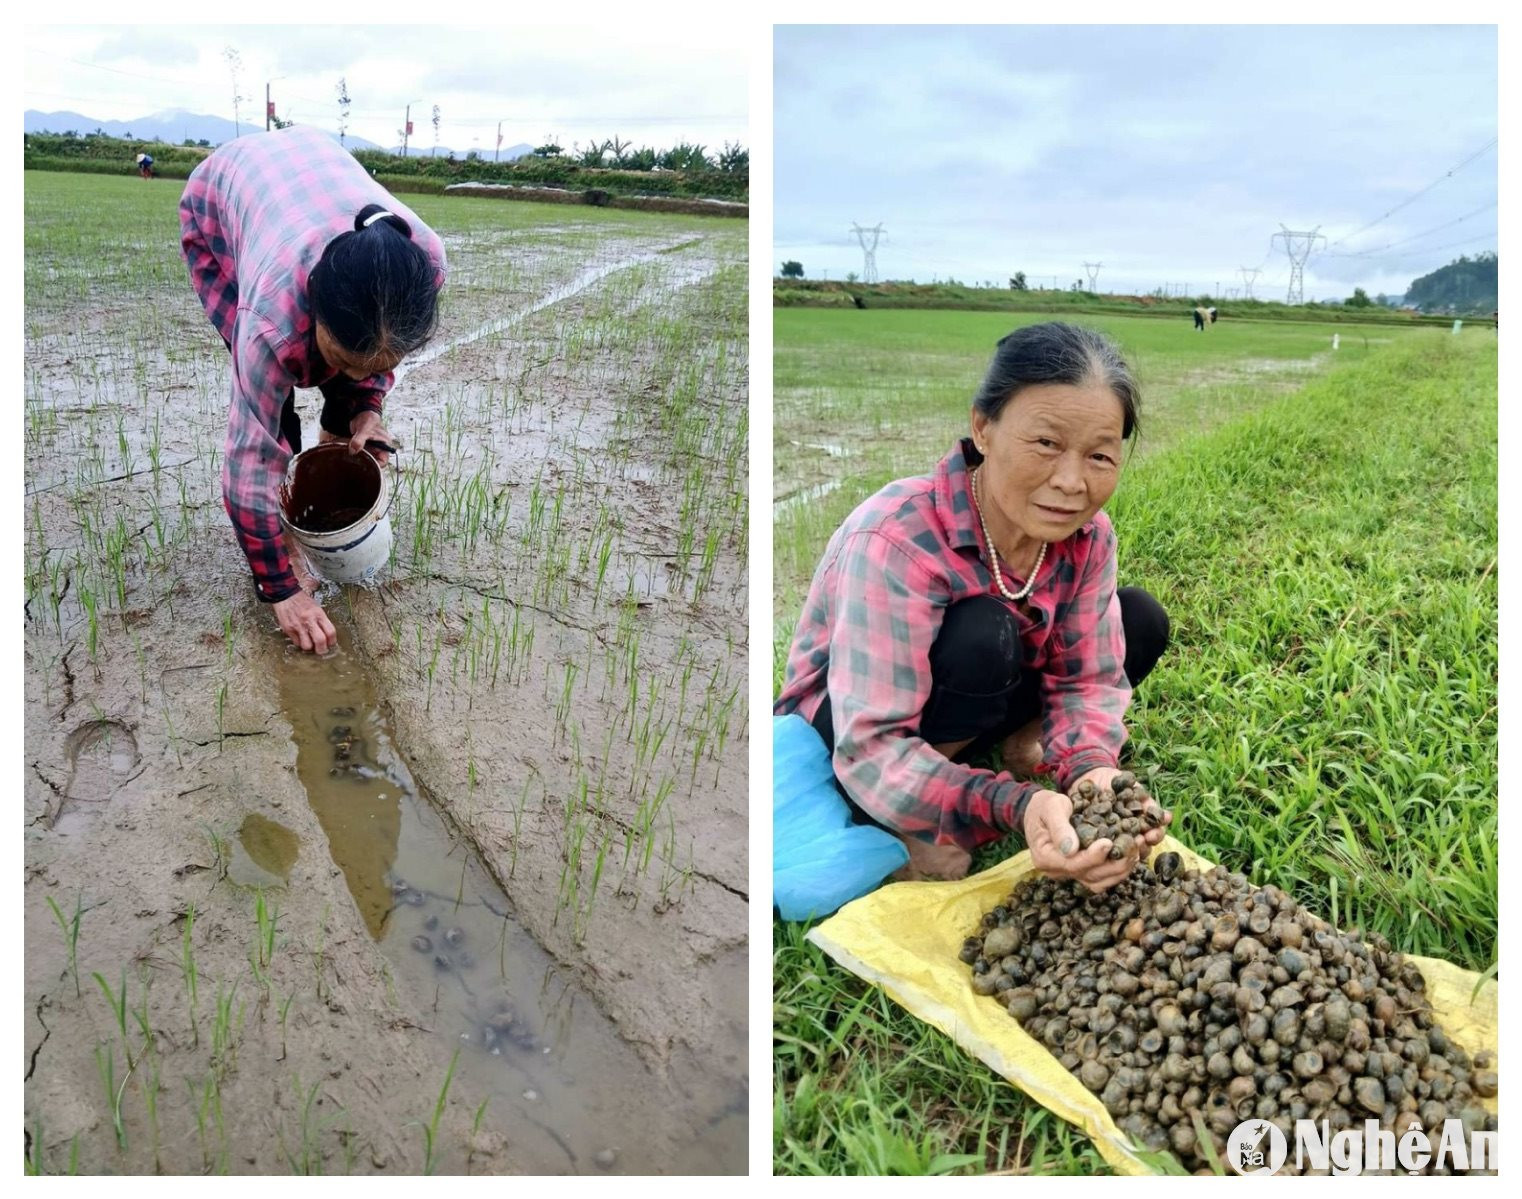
[
  {"x": 1416, "y": 236},
  {"x": 1417, "y": 194},
  {"x": 95, "y": 66},
  {"x": 1421, "y": 250}
]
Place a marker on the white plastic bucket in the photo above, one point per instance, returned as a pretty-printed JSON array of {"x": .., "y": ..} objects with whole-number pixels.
[{"x": 327, "y": 486}]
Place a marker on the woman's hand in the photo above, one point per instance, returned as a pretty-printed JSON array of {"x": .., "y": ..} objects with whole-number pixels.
[
  {"x": 364, "y": 427},
  {"x": 1054, "y": 848},
  {"x": 1101, "y": 777},
  {"x": 302, "y": 619}
]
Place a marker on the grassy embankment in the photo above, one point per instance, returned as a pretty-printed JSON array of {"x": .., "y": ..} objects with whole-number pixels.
[
  {"x": 416, "y": 172},
  {"x": 1325, "y": 720},
  {"x": 827, "y": 293}
]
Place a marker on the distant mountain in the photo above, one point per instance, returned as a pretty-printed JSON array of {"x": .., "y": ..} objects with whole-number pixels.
[
  {"x": 421, "y": 150},
  {"x": 1465, "y": 286},
  {"x": 173, "y": 125}
]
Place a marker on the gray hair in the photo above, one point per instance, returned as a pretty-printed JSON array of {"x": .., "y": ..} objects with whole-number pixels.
[{"x": 1056, "y": 352}]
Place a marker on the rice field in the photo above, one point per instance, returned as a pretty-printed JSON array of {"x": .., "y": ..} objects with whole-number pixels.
[
  {"x": 1322, "y": 529},
  {"x": 558, "y": 655}
]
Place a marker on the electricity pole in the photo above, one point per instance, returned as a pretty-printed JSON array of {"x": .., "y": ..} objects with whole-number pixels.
[
  {"x": 1093, "y": 271},
  {"x": 407, "y": 127},
  {"x": 269, "y": 105},
  {"x": 497, "y": 157},
  {"x": 1249, "y": 274},
  {"x": 869, "y": 253},
  {"x": 1298, "y": 245}
]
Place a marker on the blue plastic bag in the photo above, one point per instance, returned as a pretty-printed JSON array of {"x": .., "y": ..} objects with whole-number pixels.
[{"x": 820, "y": 860}]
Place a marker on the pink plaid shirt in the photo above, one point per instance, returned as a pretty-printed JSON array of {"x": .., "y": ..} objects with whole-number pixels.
[
  {"x": 873, "y": 611},
  {"x": 254, "y": 219}
]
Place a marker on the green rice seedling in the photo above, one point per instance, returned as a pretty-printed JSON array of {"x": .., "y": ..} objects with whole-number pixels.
[
  {"x": 174, "y": 740},
  {"x": 309, "y": 1159},
  {"x": 188, "y": 970},
  {"x": 262, "y": 950},
  {"x": 141, "y": 1014},
  {"x": 585, "y": 911},
  {"x": 285, "y": 1009},
  {"x": 431, "y": 1127},
  {"x": 87, "y": 598},
  {"x": 224, "y": 1029},
  {"x": 150, "y": 1091},
  {"x": 105, "y": 1064},
  {"x": 199, "y": 1106},
  {"x": 117, "y": 1000},
  {"x": 266, "y": 917},
  {"x": 70, "y": 929},
  {"x": 211, "y": 1101},
  {"x": 475, "y": 1124}
]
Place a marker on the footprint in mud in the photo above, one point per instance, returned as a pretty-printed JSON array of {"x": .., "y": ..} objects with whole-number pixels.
[{"x": 102, "y": 755}]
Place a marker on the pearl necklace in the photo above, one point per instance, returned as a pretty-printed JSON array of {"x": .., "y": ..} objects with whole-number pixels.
[{"x": 993, "y": 553}]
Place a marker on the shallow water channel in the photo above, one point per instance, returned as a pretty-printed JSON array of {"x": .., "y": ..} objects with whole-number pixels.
[{"x": 565, "y": 1090}]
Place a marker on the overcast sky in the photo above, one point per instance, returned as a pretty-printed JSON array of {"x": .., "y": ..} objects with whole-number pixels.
[
  {"x": 655, "y": 84},
  {"x": 1169, "y": 154}
]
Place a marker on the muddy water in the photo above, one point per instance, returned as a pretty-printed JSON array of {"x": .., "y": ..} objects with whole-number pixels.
[{"x": 568, "y": 1093}]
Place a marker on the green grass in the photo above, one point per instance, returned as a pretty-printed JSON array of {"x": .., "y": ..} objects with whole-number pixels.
[{"x": 1325, "y": 720}]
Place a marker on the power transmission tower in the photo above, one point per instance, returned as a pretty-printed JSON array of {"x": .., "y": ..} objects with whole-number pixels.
[
  {"x": 1298, "y": 245},
  {"x": 869, "y": 252},
  {"x": 1249, "y": 274},
  {"x": 1093, "y": 272}
]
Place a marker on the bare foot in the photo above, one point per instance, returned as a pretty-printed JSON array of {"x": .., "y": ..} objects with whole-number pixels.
[
  {"x": 927, "y": 862},
  {"x": 305, "y": 578},
  {"x": 1021, "y": 751}
]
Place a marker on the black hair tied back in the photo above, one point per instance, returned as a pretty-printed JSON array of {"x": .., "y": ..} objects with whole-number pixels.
[
  {"x": 1057, "y": 352},
  {"x": 391, "y": 219},
  {"x": 376, "y": 292}
]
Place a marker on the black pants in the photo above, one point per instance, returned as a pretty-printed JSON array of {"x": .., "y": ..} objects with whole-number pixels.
[{"x": 979, "y": 689}]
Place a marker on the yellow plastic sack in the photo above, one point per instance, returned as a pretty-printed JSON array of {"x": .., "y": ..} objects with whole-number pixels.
[{"x": 905, "y": 938}]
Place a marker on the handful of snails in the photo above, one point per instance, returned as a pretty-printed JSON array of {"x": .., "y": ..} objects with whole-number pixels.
[{"x": 1121, "y": 813}]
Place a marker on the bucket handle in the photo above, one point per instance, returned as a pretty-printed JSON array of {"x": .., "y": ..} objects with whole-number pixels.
[{"x": 396, "y": 476}]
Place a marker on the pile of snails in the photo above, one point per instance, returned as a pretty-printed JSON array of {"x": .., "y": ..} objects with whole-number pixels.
[{"x": 1190, "y": 1002}]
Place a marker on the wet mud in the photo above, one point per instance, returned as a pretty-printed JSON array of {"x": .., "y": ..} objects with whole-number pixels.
[{"x": 189, "y": 793}]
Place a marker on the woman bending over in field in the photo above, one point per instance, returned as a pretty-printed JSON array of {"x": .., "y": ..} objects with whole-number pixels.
[
  {"x": 976, "y": 608},
  {"x": 315, "y": 277}
]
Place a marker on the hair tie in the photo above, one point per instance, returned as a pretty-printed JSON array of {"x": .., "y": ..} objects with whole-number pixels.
[{"x": 377, "y": 216}]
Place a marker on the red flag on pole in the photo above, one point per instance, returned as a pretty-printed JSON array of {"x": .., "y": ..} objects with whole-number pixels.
[
  {"x": 409, "y": 128},
  {"x": 270, "y": 109}
]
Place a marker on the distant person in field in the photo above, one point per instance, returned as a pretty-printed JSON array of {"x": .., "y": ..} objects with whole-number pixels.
[
  {"x": 976, "y": 608},
  {"x": 1199, "y": 318},
  {"x": 145, "y": 166},
  {"x": 314, "y": 276}
]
